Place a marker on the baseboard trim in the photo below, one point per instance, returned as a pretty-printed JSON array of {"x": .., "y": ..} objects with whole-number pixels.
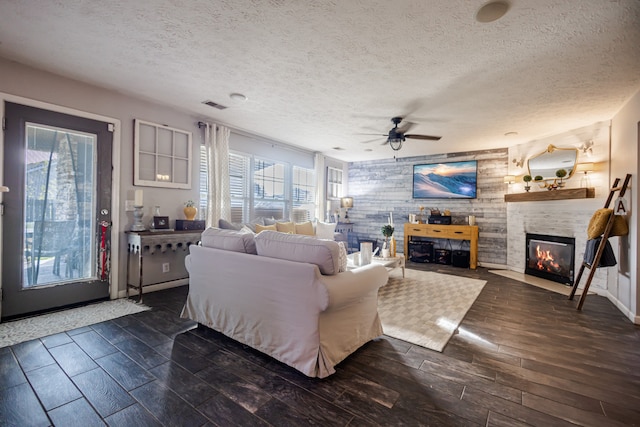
[
  {"x": 628, "y": 313},
  {"x": 153, "y": 288}
]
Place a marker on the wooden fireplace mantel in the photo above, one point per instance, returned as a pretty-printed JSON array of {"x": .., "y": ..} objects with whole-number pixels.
[{"x": 546, "y": 195}]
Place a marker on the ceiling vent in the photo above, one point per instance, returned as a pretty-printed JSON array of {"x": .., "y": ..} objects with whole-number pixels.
[{"x": 215, "y": 105}]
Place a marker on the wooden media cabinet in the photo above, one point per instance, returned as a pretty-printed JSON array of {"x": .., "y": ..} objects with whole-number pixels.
[{"x": 456, "y": 232}]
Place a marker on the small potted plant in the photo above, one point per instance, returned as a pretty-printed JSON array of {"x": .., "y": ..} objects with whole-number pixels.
[
  {"x": 190, "y": 210},
  {"x": 527, "y": 179},
  {"x": 387, "y": 232},
  {"x": 561, "y": 173}
]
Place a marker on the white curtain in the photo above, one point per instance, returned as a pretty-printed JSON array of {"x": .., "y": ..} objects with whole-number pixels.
[{"x": 218, "y": 198}]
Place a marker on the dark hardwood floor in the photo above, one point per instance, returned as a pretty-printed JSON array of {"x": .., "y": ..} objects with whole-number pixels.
[{"x": 522, "y": 356}]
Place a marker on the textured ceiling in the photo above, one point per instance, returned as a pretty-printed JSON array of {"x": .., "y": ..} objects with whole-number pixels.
[{"x": 320, "y": 74}]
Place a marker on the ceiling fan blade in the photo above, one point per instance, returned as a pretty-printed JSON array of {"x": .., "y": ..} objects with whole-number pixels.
[
  {"x": 370, "y": 141},
  {"x": 427, "y": 137},
  {"x": 405, "y": 127}
]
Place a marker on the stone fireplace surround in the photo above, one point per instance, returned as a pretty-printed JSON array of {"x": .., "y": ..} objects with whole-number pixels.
[{"x": 569, "y": 218}]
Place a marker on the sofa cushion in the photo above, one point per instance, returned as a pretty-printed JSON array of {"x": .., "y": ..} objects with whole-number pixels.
[
  {"x": 286, "y": 227},
  {"x": 260, "y": 228},
  {"x": 325, "y": 230},
  {"x": 305, "y": 228},
  {"x": 230, "y": 240},
  {"x": 296, "y": 247}
]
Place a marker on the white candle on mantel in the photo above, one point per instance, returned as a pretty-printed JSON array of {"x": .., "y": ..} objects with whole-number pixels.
[
  {"x": 391, "y": 218},
  {"x": 138, "y": 198}
]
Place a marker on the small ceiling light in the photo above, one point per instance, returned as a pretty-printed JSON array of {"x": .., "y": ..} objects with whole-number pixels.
[
  {"x": 492, "y": 11},
  {"x": 238, "y": 97},
  {"x": 511, "y": 134},
  {"x": 338, "y": 148}
]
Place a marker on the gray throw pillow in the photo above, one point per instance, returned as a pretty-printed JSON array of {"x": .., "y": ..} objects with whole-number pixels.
[{"x": 226, "y": 225}]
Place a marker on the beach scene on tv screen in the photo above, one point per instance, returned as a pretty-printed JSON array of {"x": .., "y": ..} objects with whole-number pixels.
[{"x": 456, "y": 180}]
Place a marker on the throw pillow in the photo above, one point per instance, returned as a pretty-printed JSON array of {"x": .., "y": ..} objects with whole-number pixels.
[
  {"x": 598, "y": 223},
  {"x": 305, "y": 228},
  {"x": 286, "y": 227},
  {"x": 343, "y": 257},
  {"x": 227, "y": 225},
  {"x": 325, "y": 230},
  {"x": 260, "y": 228},
  {"x": 246, "y": 229}
]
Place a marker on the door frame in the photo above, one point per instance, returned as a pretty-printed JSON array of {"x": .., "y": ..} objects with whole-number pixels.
[{"x": 114, "y": 282}]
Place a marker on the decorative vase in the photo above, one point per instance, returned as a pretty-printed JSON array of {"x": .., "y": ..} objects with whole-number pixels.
[
  {"x": 190, "y": 212},
  {"x": 527, "y": 188},
  {"x": 392, "y": 246}
]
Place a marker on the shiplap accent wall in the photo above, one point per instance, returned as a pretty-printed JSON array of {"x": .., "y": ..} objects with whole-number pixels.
[{"x": 384, "y": 186}]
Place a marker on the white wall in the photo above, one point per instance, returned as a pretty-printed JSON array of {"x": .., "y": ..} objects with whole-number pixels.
[
  {"x": 33, "y": 84},
  {"x": 625, "y": 158}
]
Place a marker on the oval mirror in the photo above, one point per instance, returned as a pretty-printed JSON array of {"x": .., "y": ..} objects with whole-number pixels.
[{"x": 553, "y": 158}]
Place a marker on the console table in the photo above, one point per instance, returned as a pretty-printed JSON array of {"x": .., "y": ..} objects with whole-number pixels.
[
  {"x": 164, "y": 251},
  {"x": 457, "y": 232}
]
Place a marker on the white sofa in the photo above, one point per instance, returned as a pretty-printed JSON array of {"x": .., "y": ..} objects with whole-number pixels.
[{"x": 284, "y": 295}]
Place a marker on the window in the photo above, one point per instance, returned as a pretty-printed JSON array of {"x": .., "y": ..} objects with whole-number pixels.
[
  {"x": 334, "y": 183},
  {"x": 304, "y": 184},
  {"x": 238, "y": 187},
  {"x": 267, "y": 188},
  {"x": 162, "y": 156}
]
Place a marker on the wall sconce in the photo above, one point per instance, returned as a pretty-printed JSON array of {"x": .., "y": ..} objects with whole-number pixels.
[
  {"x": 509, "y": 179},
  {"x": 346, "y": 203},
  {"x": 586, "y": 168},
  {"x": 587, "y": 148}
]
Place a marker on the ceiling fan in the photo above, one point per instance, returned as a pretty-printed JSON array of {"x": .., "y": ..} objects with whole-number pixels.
[{"x": 397, "y": 136}]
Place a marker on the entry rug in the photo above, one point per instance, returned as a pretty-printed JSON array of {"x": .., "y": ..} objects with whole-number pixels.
[
  {"x": 30, "y": 328},
  {"x": 426, "y": 308}
]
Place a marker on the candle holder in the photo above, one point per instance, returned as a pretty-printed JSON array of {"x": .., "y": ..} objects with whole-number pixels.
[{"x": 137, "y": 219}]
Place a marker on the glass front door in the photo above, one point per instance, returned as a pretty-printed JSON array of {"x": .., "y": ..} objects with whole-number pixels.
[{"x": 56, "y": 224}]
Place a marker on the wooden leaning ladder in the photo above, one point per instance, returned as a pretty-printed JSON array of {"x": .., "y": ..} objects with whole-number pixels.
[{"x": 603, "y": 242}]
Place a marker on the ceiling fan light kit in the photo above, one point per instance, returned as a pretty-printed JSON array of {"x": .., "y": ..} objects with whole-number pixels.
[{"x": 396, "y": 136}]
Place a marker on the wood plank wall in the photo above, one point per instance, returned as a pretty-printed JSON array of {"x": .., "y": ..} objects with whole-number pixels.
[{"x": 384, "y": 186}]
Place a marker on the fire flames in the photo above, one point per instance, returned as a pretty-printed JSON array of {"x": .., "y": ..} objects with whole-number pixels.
[{"x": 546, "y": 262}]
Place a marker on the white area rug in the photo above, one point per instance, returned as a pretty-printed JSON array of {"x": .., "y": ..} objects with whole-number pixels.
[
  {"x": 17, "y": 331},
  {"x": 426, "y": 308}
]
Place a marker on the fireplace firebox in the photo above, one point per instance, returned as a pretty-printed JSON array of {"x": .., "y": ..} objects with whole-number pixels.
[{"x": 550, "y": 257}]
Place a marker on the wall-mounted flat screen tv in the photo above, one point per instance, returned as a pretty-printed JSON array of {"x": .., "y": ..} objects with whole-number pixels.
[{"x": 453, "y": 180}]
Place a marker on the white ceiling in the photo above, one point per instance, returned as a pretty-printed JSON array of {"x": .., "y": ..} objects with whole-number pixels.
[{"x": 318, "y": 74}]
